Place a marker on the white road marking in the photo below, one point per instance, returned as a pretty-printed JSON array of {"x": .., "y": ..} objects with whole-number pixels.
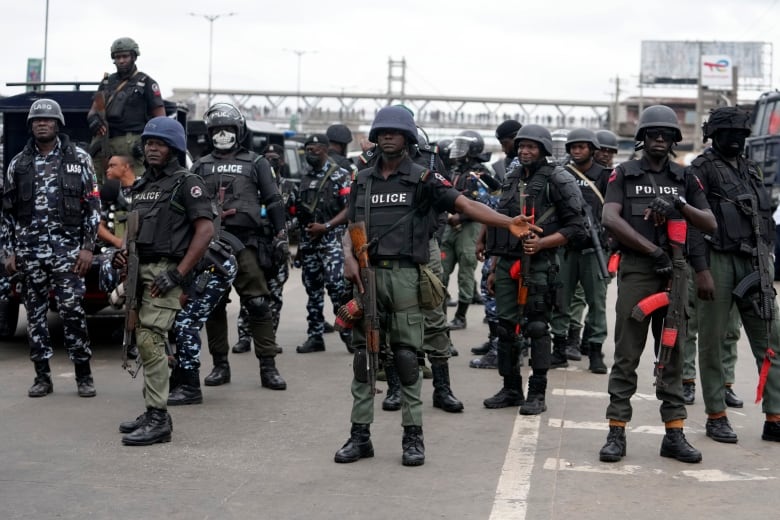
[
  {"x": 660, "y": 429},
  {"x": 511, "y": 500},
  {"x": 702, "y": 475},
  {"x": 568, "y": 392},
  {"x": 716, "y": 475}
]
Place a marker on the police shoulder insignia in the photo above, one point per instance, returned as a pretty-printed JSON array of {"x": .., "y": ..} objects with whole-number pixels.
[
  {"x": 196, "y": 192},
  {"x": 612, "y": 176},
  {"x": 442, "y": 179}
]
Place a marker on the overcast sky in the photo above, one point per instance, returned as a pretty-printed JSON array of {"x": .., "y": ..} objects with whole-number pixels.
[{"x": 510, "y": 48}]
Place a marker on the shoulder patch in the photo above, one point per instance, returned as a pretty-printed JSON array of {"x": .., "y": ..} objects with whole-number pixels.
[
  {"x": 612, "y": 175},
  {"x": 196, "y": 192},
  {"x": 442, "y": 179}
]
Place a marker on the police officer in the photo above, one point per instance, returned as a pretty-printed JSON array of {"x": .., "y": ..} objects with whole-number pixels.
[
  {"x": 579, "y": 264},
  {"x": 244, "y": 187},
  {"x": 641, "y": 195},
  {"x": 505, "y": 133},
  {"x": 339, "y": 136},
  {"x": 742, "y": 207},
  {"x": 608, "y": 147},
  {"x": 322, "y": 212},
  {"x": 458, "y": 246},
  {"x": 400, "y": 194},
  {"x": 50, "y": 218},
  {"x": 123, "y": 103},
  {"x": 549, "y": 195},
  {"x": 175, "y": 227}
]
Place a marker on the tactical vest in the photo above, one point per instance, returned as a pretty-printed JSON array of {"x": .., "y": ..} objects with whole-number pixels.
[
  {"x": 640, "y": 190},
  {"x": 69, "y": 180},
  {"x": 126, "y": 107},
  {"x": 236, "y": 175},
  {"x": 735, "y": 226},
  {"x": 164, "y": 229},
  {"x": 514, "y": 191},
  {"x": 391, "y": 201},
  {"x": 316, "y": 197}
]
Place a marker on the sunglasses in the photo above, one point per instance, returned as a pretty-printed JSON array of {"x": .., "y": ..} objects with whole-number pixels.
[{"x": 665, "y": 134}]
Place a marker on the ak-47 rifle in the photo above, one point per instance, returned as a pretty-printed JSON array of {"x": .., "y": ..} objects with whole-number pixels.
[
  {"x": 357, "y": 233},
  {"x": 759, "y": 283},
  {"x": 100, "y": 111},
  {"x": 521, "y": 270},
  {"x": 598, "y": 248},
  {"x": 673, "y": 298},
  {"x": 131, "y": 292}
]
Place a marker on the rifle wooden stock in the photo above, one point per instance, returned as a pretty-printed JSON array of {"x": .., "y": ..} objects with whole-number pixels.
[
  {"x": 100, "y": 109},
  {"x": 357, "y": 233},
  {"x": 131, "y": 288}
]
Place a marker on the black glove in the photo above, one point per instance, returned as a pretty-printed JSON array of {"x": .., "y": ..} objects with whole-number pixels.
[
  {"x": 138, "y": 151},
  {"x": 664, "y": 205},
  {"x": 663, "y": 264},
  {"x": 95, "y": 122},
  {"x": 281, "y": 249},
  {"x": 167, "y": 280}
]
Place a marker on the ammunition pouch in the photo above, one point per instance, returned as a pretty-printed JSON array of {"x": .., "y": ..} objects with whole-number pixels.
[{"x": 431, "y": 289}]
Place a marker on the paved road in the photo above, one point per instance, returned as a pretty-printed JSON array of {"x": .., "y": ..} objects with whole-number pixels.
[{"x": 249, "y": 452}]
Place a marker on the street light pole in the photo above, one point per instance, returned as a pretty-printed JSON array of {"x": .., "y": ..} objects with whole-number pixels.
[
  {"x": 211, "y": 19},
  {"x": 299, "y": 53}
]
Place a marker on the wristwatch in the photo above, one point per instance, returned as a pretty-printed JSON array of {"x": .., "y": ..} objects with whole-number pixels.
[
  {"x": 327, "y": 226},
  {"x": 679, "y": 203}
]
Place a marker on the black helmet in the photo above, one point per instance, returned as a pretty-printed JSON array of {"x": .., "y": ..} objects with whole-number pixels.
[
  {"x": 537, "y": 134},
  {"x": 339, "y": 133},
  {"x": 124, "y": 44},
  {"x": 607, "y": 140},
  {"x": 169, "y": 131},
  {"x": 394, "y": 118},
  {"x": 726, "y": 118},
  {"x": 225, "y": 114},
  {"x": 659, "y": 116},
  {"x": 468, "y": 143},
  {"x": 422, "y": 139},
  {"x": 582, "y": 135},
  {"x": 45, "y": 108}
]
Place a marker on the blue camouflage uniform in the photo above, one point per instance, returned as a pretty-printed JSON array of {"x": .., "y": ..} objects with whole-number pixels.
[{"x": 47, "y": 241}]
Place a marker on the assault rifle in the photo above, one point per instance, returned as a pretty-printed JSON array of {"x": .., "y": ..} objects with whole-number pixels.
[
  {"x": 357, "y": 233},
  {"x": 673, "y": 298},
  {"x": 102, "y": 140},
  {"x": 131, "y": 293},
  {"x": 598, "y": 248},
  {"x": 521, "y": 270}
]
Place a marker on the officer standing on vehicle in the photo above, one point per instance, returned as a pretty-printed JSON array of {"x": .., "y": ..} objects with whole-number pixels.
[
  {"x": 123, "y": 103},
  {"x": 549, "y": 195},
  {"x": 244, "y": 187},
  {"x": 742, "y": 207},
  {"x": 641, "y": 195},
  {"x": 397, "y": 195},
  {"x": 579, "y": 263},
  {"x": 51, "y": 210},
  {"x": 322, "y": 213},
  {"x": 458, "y": 245}
]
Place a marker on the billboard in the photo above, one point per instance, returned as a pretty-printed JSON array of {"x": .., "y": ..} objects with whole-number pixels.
[
  {"x": 678, "y": 62},
  {"x": 717, "y": 71}
]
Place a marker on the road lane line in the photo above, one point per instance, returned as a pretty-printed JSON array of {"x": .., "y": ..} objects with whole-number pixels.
[{"x": 512, "y": 490}]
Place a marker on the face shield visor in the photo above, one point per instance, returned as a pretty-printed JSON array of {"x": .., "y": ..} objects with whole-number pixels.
[{"x": 460, "y": 146}]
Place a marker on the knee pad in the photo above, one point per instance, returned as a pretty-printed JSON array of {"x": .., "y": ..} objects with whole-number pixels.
[
  {"x": 508, "y": 357},
  {"x": 258, "y": 306},
  {"x": 540, "y": 352},
  {"x": 406, "y": 364},
  {"x": 536, "y": 329},
  {"x": 360, "y": 365},
  {"x": 505, "y": 331}
]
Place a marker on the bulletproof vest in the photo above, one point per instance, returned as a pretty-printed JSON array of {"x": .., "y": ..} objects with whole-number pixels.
[
  {"x": 588, "y": 194},
  {"x": 641, "y": 188},
  {"x": 516, "y": 192},
  {"x": 236, "y": 175},
  {"x": 391, "y": 201},
  {"x": 735, "y": 226},
  {"x": 164, "y": 229},
  {"x": 316, "y": 197},
  {"x": 126, "y": 107},
  {"x": 69, "y": 182}
]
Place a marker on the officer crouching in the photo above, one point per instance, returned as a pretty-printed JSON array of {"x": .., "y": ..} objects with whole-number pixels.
[{"x": 175, "y": 227}]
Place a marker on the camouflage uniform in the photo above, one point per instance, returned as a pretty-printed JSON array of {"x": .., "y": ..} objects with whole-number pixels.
[{"x": 46, "y": 248}]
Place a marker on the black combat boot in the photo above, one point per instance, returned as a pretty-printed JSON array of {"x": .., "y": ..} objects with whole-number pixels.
[
  {"x": 510, "y": 395},
  {"x": 131, "y": 426},
  {"x": 573, "y": 345},
  {"x": 489, "y": 360},
  {"x": 485, "y": 347},
  {"x": 459, "y": 320},
  {"x": 558, "y": 358},
  {"x": 732, "y": 401},
  {"x": 442, "y": 393},
  {"x": 534, "y": 404},
  {"x": 358, "y": 446},
  {"x": 413, "y": 445},
  {"x": 615, "y": 448},
  {"x": 152, "y": 430},
  {"x": 587, "y": 332},
  {"x": 392, "y": 401},
  {"x": 771, "y": 431},
  {"x": 719, "y": 430},
  {"x": 676, "y": 446},
  {"x": 220, "y": 374},
  {"x": 689, "y": 392},
  {"x": 596, "y": 358},
  {"x": 188, "y": 390},
  {"x": 42, "y": 385},
  {"x": 269, "y": 375},
  {"x": 242, "y": 345},
  {"x": 312, "y": 344},
  {"x": 84, "y": 382}
]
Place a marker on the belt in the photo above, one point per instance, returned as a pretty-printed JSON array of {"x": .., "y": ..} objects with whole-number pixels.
[{"x": 394, "y": 263}]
